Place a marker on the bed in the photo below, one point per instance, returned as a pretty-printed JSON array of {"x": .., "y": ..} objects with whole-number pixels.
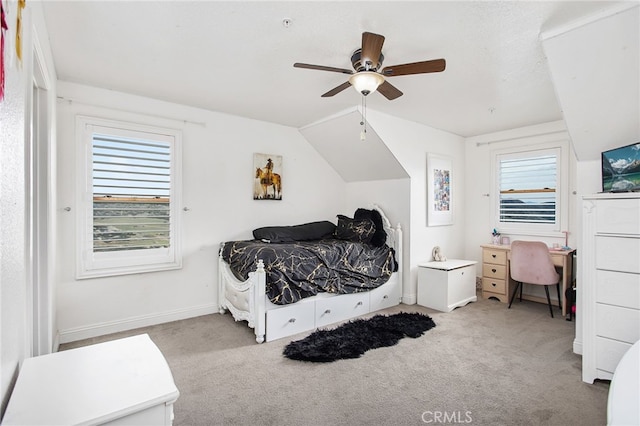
[{"x": 269, "y": 283}]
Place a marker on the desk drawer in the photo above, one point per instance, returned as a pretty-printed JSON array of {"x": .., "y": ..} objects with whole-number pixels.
[
  {"x": 494, "y": 271},
  {"x": 494, "y": 256},
  {"x": 494, "y": 286}
]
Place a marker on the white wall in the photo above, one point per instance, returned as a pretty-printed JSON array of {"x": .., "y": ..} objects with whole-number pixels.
[
  {"x": 394, "y": 197},
  {"x": 217, "y": 189},
  {"x": 480, "y": 185},
  {"x": 16, "y": 295},
  {"x": 595, "y": 69},
  {"x": 410, "y": 143}
]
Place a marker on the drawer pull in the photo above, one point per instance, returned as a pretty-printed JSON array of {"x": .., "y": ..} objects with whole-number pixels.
[
  {"x": 328, "y": 311},
  {"x": 292, "y": 320},
  {"x": 493, "y": 255},
  {"x": 385, "y": 297},
  {"x": 359, "y": 304},
  {"x": 493, "y": 284},
  {"x": 494, "y": 270}
]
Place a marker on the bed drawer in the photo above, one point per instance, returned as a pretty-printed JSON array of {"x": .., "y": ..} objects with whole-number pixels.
[
  {"x": 385, "y": 296},
  {"x": 335, "y": 309},
  {"x": 289, "y": 320}
]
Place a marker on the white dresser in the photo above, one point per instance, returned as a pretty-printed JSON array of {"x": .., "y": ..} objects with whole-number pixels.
[
  {"x": 609, "y": 287},
  {"x": 121, "y": 382},
  {"x": 446, "y": 285}
]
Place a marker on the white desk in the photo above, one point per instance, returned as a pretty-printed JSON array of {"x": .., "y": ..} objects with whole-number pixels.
[
  {"x": 446, "y": 285},
  {"x": 124, "y": 382}
]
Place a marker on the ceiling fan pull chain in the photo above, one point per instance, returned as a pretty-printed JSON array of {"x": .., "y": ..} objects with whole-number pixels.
[{"x": 363, "y": 122}]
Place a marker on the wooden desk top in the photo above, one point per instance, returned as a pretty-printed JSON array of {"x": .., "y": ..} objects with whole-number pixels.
[{"x": 508, "y": 248}]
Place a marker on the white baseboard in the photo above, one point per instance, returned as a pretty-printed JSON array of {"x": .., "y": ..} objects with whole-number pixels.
[
  {"x": 577, "y": 347},
  {"x": 409, "y": 299},
  {"x": 101, "y": 329}
]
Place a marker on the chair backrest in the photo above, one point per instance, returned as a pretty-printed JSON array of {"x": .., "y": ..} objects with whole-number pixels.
[{"x": 531, "y": 263}]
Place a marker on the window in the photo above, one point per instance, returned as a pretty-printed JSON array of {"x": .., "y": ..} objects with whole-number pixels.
[
  {"x": 529, "y": 190},
  {"x": 129, "y": 199}
]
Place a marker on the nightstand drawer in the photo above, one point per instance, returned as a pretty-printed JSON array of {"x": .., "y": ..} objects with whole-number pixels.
[
  {"x": 494, "y": 256},
  {"x": 494, "y": 271},
  {"x": 494, "y": 286}
]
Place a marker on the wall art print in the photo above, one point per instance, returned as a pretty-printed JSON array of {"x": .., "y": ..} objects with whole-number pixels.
[
  {"x": 267, "y": 174},
  {"x": 439, "y": 196}
]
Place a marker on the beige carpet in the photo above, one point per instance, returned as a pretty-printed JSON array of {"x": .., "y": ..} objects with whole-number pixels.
[{"x": 482, "y": 364}]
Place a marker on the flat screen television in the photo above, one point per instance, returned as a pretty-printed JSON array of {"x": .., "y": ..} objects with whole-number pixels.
[{"x": 621, "y": 169}]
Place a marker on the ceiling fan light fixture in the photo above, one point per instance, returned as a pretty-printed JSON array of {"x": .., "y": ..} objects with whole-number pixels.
[{"x": 366, "y": 82}]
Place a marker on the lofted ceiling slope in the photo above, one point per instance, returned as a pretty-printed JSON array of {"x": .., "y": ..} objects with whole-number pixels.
[{"x": 237, "y": 57}]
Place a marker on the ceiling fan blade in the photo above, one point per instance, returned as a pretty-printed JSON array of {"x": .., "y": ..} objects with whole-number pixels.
[
  {"x": 436, "y": 65},
  {"x": 389, "y": 91},
  {"x": 336, "y": 90},
  {"x": 371, "y": 49},
  {"x": 322, "y": 68}
]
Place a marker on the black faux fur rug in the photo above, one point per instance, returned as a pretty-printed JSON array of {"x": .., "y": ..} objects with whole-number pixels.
[{"x": 354, "y": 338}]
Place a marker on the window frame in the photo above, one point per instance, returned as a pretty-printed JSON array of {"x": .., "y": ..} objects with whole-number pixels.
[
  {"x": 555, "y": 229},
  {"x": 90, "y": 264}
]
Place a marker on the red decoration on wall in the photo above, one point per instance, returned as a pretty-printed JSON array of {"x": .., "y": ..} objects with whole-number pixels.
[{"x": 3, "y": 28}]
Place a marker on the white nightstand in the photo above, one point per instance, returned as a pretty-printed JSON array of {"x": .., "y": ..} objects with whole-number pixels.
[{"x": 446, "y": 285}]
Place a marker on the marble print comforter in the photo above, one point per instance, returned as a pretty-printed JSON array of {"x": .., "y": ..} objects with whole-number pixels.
[{"x": 304, "y": 268}]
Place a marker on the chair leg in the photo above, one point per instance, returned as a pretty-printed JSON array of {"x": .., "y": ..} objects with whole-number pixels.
[
  {"x": 559, "y": 297},
  {"x": 546, "y": 290},
  {"x": 513, "y": 296},
  {"x": 521, "y": 288}
]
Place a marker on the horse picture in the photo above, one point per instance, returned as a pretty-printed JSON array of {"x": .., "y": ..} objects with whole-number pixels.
[{"x": 268, "y": 183}]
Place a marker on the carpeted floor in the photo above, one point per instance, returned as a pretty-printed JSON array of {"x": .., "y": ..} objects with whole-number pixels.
[{"x": 482, "y": 364}]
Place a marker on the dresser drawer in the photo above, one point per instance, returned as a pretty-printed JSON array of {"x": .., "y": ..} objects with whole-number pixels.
[
  {"x": 618, "y": 254},
  {"x": 608, "y": 353},
  {"x": 494, "y": 256},
  {"x": 494, "y": 271},
  {"x": 493, "y": 285},
  {"x": 331, "y": 309},
  {"x": 618, "y": 217},
  {"x": 617, "y": 323},
  {"x": 618, "y": 288}
]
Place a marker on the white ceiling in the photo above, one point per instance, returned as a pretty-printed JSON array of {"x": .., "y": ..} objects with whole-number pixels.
[{"x": 237, "y": 57}]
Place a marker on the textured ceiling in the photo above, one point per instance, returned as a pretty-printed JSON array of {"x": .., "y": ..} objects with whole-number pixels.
[{"x": 236, "y": 57}]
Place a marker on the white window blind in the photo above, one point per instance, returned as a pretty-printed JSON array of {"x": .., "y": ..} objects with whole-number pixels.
[
  {"x": 131, "y": 194},
  {"x": 528, "y": 187},
  {"x": 130, "y": 202}
]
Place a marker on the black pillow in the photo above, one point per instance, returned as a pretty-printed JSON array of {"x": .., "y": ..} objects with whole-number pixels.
[
  {"x": 379, "y": 238},
  {"x": 357, "y": 231},
  {"x": 287, "y": 234}
]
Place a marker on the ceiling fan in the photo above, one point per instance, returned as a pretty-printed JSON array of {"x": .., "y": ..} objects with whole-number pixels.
[{"x": 369, "y": 75}]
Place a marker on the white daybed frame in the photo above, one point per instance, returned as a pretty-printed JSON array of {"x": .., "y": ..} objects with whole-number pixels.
[{"x": 247, "y": 300}]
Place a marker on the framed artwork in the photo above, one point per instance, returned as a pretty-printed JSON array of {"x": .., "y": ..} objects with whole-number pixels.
[
  {"x": 267, "y": 174},
  {"x": 439, "y": 201}
]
